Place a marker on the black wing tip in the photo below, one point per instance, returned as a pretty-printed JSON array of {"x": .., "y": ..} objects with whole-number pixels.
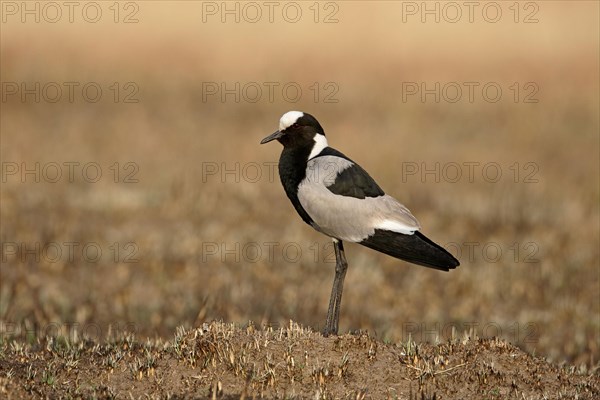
[
  {"x": 447, "y": 267},
  {"x": 416, "y": 248},
  {"x": 441, "y": 266},
  {"x": 453, "y": 264},
  {"x": 450, "y": 262}
]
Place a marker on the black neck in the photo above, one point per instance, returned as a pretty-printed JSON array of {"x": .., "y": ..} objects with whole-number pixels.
[{"x": 292, "y": 170}]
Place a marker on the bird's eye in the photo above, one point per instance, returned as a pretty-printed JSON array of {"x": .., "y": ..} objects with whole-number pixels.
[{"x": 295, "y": 125}]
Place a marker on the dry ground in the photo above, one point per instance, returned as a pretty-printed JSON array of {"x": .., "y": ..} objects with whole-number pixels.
[
  {"x": 184, "y": 242},
  {"x": 223, "y": 361}
]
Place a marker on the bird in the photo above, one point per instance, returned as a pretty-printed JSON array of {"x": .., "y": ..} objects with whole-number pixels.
[{"x": 338, "y": 198}]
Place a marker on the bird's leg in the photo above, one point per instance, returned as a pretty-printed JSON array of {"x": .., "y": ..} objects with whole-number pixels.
[{"x": 333, "y": 314}]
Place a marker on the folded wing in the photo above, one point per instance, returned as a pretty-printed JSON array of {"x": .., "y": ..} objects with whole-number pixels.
[{"x": 344, "y": 202}]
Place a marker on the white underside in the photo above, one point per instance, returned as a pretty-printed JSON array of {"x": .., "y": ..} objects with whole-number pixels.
[
  {"x": 351, "y": 219},
  {"x": 347, "y": 218},
  {"x": 395, "y": 226}
]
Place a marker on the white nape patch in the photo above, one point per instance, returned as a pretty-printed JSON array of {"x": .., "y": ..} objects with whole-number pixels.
[
  {"x": 395, "y": 226},
  {"x": 320, "y": 144},
  {"x": 289, "y": 118}
]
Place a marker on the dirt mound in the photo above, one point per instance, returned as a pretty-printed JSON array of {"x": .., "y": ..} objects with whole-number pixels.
[{"x": 224, "y": 361}]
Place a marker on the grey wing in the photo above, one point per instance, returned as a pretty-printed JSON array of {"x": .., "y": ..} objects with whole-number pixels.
[{"x": 346, "y": 217}]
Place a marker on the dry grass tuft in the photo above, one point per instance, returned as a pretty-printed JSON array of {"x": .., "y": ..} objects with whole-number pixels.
[
  {"x": 179, "y": 246},
  {"x": 221, "y": 360}
]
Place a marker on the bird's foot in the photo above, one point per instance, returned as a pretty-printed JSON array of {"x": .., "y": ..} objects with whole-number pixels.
[{"x": 329, "y": 331}]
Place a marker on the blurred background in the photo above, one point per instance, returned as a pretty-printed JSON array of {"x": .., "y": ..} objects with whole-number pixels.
[{"x": 135, "y": 194}]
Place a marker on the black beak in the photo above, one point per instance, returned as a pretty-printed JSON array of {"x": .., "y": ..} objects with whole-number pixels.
[{"x": 272, "y": 136}]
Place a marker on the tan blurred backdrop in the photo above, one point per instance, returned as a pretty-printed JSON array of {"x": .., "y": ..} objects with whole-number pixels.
[{"x": 142, "y": 200}]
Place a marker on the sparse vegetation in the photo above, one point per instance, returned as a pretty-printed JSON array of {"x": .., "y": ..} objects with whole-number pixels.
[
  {"x": 225, "y": 361},
  {"x": 184, "y": 244}
]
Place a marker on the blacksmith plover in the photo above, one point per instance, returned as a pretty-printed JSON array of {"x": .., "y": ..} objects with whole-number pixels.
[{"x": 337, "y": 197}]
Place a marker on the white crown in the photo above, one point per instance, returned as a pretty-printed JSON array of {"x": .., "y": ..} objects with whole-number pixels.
[{"x": 289, "y": 118}]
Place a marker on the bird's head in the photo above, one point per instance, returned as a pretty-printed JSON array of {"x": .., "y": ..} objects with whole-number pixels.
[{"x": 298, "y": 129}]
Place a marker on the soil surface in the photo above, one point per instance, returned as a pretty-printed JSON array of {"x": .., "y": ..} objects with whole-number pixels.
[{"x": 229, "y": 362}]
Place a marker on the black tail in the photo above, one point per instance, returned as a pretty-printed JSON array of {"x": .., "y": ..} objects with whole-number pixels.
[{"x": 415, "y": 248}]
